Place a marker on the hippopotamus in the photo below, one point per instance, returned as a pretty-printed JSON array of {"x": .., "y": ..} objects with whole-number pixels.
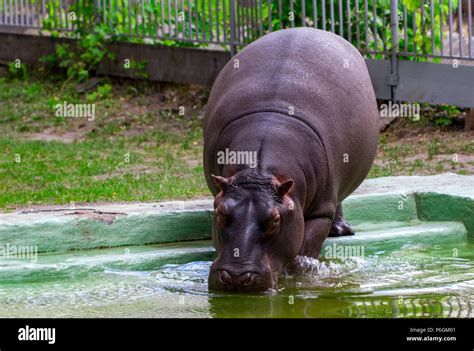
[{"x": 302, "y": 103}]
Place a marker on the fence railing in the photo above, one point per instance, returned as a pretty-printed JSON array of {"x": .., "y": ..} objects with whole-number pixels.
[{"x": 378, "y": 28}]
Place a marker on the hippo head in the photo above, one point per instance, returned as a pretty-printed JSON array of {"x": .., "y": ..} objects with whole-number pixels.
[{"x": 257, "y": 230}]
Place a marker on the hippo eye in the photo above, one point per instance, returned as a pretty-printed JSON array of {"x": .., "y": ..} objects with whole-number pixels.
[
  {"x": 272, "y": 226},
  {"x": 221, "y": 218},
  {"x": 276, "y": 221}
]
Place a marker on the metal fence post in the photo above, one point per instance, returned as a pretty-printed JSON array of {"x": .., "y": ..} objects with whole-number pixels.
[
  {"x": 395, "y": 43},
  {"x": 96, "y": 11},
  {"x": 233, "y": 47}
]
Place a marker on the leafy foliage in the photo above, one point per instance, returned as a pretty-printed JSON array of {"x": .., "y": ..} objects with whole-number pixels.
[
  {"x": 370, "y": 26},
  {"x": 17, "y": 70}
]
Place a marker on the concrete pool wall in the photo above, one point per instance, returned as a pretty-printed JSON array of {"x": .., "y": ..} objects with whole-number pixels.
[{"x": 391, "y": 206}]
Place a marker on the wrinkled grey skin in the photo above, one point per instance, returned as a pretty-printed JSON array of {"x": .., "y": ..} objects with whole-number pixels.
[{"x": 303, "y": 100}]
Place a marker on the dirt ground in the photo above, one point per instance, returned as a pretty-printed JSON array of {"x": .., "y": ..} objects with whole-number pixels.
[{"x": 422, "y": 148}]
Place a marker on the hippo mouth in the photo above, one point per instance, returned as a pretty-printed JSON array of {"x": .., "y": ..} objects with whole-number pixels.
[{"x": 243, "y": 281}]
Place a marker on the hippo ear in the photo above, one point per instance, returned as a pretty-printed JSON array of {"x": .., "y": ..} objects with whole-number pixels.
[
  {"x": 221, "y": 182},
  {"x": 285, "y": 187}
]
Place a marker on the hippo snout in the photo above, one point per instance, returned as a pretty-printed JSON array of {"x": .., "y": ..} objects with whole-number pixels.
[
  {"x": 245, "y": 281},
  {"x": 225, "y": 278}
]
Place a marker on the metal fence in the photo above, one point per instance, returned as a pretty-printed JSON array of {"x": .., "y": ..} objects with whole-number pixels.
[{"x": 378, "y": 28}]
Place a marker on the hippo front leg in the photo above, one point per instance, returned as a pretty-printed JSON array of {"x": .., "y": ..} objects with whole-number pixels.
[
  {"x": 315, "y": 232},
  {"x": 340, "y": 227}
]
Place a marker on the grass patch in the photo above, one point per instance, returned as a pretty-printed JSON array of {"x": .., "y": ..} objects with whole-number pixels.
[
  {"x": 448, "y": 151},
  {"x": 141, "y": 147},
  {"x": 128, "y": 153},
  {"x": 38, "y": 172}
]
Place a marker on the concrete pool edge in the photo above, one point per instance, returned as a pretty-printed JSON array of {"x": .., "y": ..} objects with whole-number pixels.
[{"x": 445, "y": 197}]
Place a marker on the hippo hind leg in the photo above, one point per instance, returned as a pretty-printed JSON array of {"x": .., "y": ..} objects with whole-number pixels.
[{"x": 340, "y": 227}]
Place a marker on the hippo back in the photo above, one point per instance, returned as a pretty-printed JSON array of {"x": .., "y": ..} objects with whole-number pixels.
[{"x": 315, "y": 76}]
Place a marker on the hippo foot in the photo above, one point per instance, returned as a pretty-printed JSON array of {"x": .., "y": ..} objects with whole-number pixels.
[{"x": 340, "y": 227}]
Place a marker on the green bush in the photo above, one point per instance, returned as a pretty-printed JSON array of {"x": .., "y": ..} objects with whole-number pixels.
[{"x": 17, "y": 70}]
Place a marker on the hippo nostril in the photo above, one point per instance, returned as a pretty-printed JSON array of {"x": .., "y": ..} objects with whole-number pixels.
[
  {"x": 224, "y": 277},
  {"x": 247, "y": 278}
]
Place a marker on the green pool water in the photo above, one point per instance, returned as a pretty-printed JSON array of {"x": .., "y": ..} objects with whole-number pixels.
[{"x": 396, "y": 276}]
